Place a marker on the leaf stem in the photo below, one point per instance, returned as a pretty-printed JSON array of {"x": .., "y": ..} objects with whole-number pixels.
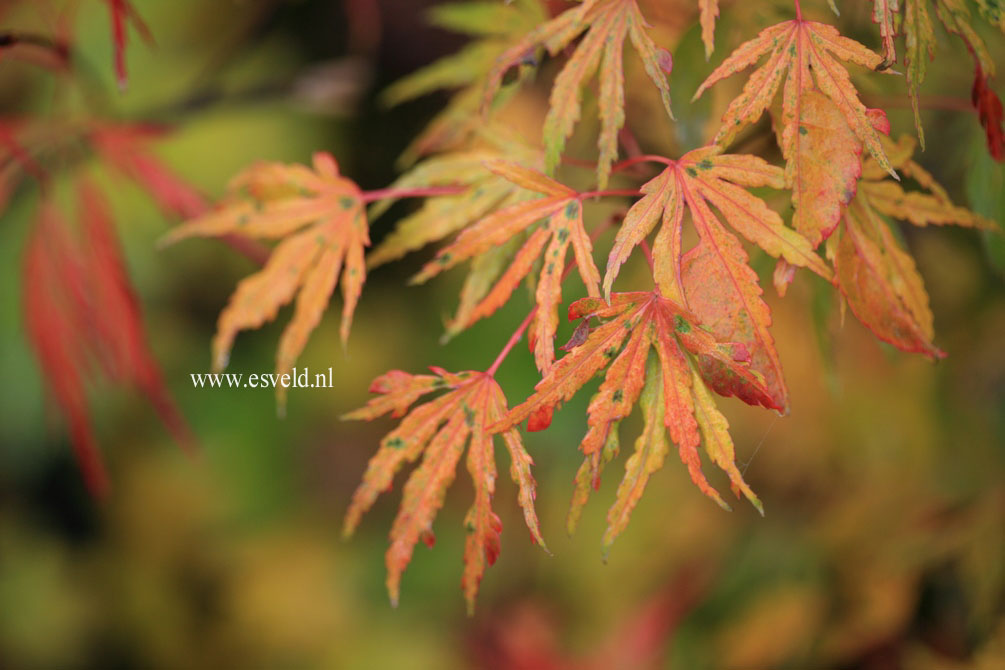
[
  {"x": 421, "y": 192},
  {"x": 799, "y": 11},
  {"x": 645, "y": 158},
  {"x": 514, "y": 338}
]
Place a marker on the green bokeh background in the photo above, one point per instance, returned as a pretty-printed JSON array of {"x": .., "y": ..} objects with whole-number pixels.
[{"x": 883, "y": 543}]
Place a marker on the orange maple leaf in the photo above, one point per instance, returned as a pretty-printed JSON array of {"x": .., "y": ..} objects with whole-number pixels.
[
  {"x": 803, "y": 53},
  {"x": 606, "y": 24},
  {"x": 321, "y": 217},
  {"x": 876, "y": 276},
  {"x": 674, "y": 397},
  {"x": 438, "y": 431},
  {"x": 561, "y": 207},
  {"x": 713, "y": 279}
]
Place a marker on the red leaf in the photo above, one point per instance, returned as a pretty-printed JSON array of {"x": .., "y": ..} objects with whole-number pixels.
[{"x": 80, "y": 310}]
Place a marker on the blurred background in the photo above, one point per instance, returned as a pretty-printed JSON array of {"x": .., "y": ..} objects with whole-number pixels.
[{"x": 883, "y": 544}]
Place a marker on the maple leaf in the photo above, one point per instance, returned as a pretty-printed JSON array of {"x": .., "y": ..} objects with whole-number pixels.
[
  {"x": 83, "y": 319},
  {"x": 803, "y": 54},
  {"x": 495, "y": 26},
  {"x": 876, "y": 276},
  {"x": 440, "y": 216},
  {"x": 438, "y": 431},
  {"x": 912, "y": 19},
  {"x": 713, "y": 279},
  {"x": 123, "y": 14},
  {"x": 604, "y": 24},
  {"x": 322, "y": 222},
  {"x": 674, "y": 397},
  {"x": 561, "y": 207}
]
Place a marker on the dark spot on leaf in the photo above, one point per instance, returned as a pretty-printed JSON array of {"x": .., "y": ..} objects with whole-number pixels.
[
  {"x": 563, "y": 234},
  {"x": 691, "y": 171},
  {"x": 444, "y": 259},
  {"x": 803, "y": 131},
  {"x": 395, "y": 443},
  {"x": 469, "y": 416},
  {"x": 571, "y": 210},
  {"x": 680, "y": 325},
  {"x": 617, "y": 396},
  {"x": 705, "y": 164}
]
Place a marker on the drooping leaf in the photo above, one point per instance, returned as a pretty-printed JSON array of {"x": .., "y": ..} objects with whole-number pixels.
[
  {"x": 320, "y": 218},
  {"x": 912, "y": 19},
  {"x": 438, "y": 431},
  {"x": 84, "y": 323},
  {"x": 876, "y": 276},
  {"x": 560, "y": 206},
  {"x": 650, "y": 347},
  {"x": 604, "y": 25},
  {"x": 803, "y": 54},
  {"x": 713, "y": 279}
]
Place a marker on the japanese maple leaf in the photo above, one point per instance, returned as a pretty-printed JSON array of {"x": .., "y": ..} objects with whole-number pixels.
[
  {"x": 123, "y": 14},
  {"x": 674, "y": 397},
  {"x": 320, "y": 217},
  {"x": 912, "y": 19},
  {"x": 439, "y": 431},
  {"x": 493, "y": 28},
  {"x": 84, "y": 323},
  {"x": 713, "y": 279},
  {"x": 483, "y": 192},
  {"x": 804, "y": 54},
  {"x": 606, "y": 24},
  {"x": 560, "y": 206},
  {"x": 876, "y": 276}
]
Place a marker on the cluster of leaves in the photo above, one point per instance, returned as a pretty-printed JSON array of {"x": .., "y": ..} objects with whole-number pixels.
[{"x": 702, "y": 327}]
